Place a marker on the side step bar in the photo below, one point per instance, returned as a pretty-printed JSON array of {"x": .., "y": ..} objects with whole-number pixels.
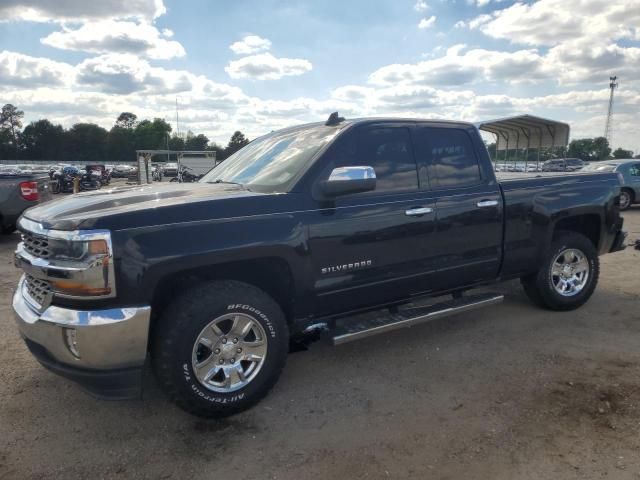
[{"x": 355, "y": 328}]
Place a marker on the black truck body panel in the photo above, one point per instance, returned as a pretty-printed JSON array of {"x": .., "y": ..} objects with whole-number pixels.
[{"x": 346, "y": 254}]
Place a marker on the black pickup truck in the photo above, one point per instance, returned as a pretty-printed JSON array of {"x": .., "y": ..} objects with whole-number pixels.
[{"x": 332, "y": 226}]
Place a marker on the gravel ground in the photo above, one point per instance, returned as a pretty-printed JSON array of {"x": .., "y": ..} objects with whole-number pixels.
[{"x": 509, "y": 392}]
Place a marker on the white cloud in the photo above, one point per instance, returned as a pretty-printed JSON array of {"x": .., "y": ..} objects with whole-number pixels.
[
  {"x": 113, "y": 36},
  {"x": 250, "y": 44},
  {"x": 576, "y": 42},
  {"x": 427, "y": 22},
  {"x": 458, "y": 68},
  {"x": 30, "y": 72},
  {"x": 79, "y": 10},
  {"x": 265, "y": 66},
  {"x": 550, "y": 22},
  {"x": 420, "y": 6}
]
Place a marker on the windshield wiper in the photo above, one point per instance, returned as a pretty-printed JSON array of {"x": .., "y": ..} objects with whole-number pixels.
[{"x": 219, "y": 180}]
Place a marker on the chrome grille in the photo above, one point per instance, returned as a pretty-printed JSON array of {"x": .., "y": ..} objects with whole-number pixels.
[
  {"x": 36, "y": 245},
  {"x": 38, "y": 290}
]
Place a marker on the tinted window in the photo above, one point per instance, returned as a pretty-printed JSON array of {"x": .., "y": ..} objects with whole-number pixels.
[
  {"x": 634, "y": 170},
  {"x": 452, "y": 157},
  {"x": 574, "y": 161},
  {"x": 387, "y": 150}
]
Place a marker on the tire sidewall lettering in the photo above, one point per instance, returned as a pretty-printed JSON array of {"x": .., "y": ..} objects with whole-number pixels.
[
  {"x": 263, "y": 316},
  {"x": 206, "y": 395}
]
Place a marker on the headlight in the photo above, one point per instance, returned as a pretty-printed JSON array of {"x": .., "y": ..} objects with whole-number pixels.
[
  {"x": 76, "y": 250},
  {"x": 81, "y": 264}
]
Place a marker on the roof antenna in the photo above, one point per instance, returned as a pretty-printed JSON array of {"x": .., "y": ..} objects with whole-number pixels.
[{"x": 334, "y": 119}]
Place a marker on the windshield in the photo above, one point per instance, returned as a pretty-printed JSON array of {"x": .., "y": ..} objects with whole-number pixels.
[
  {"x": 600, "y": 167},
  {"x": 272, "y": 162}
]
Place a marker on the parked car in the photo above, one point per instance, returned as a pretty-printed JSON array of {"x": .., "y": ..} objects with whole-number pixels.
[
  {"x": 100, "y": 173},
  {"x": 122, "y": 171},
  {"x": 170, "y": 169},
  {"x": 65, "y": 179},
  {"x": 19, "y": 191},
  {"x": 297, "y": 232},
  {"x": 629, "y": 172},
  {"x": 563, "y": 165}
]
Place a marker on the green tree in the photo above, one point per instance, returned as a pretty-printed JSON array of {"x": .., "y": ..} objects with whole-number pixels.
[
  {"x": 220, "y": 153},
  {"x": 121, "y": 144},
  {"x": 622, "y": 153},
  {"x": 87, "y": 142},
  {"x": 11, "y": 123},
  {"x": 237, "y": 141},
  {"x": 152, "y": 135},
  {"x": 176, "y": 143},
  {"x": 7, "y": 150},
  {"x": 42, "y": 140},
  {"x": 601, "y": 149},
  {"x": 196, "y": 142},
  {"x": 126, "y": 120},
  {"x": 589, "y": 149}
]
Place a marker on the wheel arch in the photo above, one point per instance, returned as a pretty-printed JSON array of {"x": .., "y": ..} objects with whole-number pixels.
[
  {"x": 271, "y": 274},
  {"x": 631, "y": 193},
  {"x": 588, "y": 224}
]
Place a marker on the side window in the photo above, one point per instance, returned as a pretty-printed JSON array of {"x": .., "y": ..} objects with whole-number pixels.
[
  {"x": 387, "y": 150},
  {"x": 452, "y": 157},
  {"x": 634, "y": 170}
]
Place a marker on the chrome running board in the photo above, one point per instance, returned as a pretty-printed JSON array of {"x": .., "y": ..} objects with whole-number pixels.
[{"x": 355, "y": 328}]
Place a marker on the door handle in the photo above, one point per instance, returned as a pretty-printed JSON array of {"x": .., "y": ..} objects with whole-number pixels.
[
  {"x": 487, "y": 203},
  {"x": 416, "y": 212}
]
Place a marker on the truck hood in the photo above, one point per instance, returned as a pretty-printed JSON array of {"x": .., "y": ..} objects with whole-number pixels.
[{"x": 135, "y": 205}]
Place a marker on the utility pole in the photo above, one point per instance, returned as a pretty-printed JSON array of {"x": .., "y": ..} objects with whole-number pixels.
[
  {"x": 177, "y": 124},
  {"x": 608, "y": 134}
]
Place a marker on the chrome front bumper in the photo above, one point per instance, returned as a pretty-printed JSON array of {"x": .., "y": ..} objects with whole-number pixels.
[{"x": 85, "y": 343}]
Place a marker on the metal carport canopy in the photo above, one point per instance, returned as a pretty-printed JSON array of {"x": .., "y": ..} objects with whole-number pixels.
[{"x": 526, "y": 131}]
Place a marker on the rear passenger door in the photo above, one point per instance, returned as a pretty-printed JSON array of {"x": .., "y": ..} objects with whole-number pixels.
[{"x": 469, "y": 210}]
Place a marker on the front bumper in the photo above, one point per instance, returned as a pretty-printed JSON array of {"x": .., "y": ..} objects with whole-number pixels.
[{"x": 102, "y": 350}]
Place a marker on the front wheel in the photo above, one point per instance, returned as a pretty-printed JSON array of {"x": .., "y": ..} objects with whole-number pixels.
[
  {"x": 568, "y": 275},
  {"x": 625, "y": 199},
  {"x": 219, "y": 348}
]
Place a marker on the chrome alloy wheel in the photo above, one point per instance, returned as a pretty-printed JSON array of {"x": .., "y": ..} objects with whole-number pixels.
[
  {"x": 625, "y": 199},
  {"x": 229, "y": 352},
  {"x": 570, "y": 272}
]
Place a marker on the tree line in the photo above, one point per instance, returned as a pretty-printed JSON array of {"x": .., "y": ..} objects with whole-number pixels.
[
  {"x": 587, "y": 149},
  {"x": 88, "y": 142}
]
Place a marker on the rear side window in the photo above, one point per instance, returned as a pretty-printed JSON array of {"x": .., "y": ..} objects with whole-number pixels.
[
  {"x": 451, "y": 156},
  {"x": 387, "y": 150},
  {"x": 634, "y": 170}
]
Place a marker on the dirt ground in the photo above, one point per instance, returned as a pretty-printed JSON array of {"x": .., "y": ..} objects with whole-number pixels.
[{"x": 509, "y": 392}]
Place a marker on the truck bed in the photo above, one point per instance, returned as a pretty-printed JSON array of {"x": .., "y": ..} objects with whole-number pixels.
[
  {"x": 506, "y": 176},
  {"x": 528, "y": 199}
]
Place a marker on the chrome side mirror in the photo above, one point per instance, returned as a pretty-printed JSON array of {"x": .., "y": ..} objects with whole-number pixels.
[{"x": 344, "y": 180}]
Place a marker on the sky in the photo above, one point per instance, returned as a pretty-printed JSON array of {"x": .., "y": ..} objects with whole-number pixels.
[{"x": 257, "y": 66}]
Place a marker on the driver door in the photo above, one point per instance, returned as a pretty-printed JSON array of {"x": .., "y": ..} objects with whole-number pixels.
[{"x": 373, "y": 245}]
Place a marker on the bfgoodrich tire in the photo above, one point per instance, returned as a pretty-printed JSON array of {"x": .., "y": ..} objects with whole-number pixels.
[
  {"x": 568, "y": 275},
  {"x": 219, "y": 348}
]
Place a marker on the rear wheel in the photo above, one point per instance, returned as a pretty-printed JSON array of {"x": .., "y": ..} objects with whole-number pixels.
[
  {"x": 568, "y": 275},
  {"x": 626, "y": 199},
  {"x": 218, "y": 349}
]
